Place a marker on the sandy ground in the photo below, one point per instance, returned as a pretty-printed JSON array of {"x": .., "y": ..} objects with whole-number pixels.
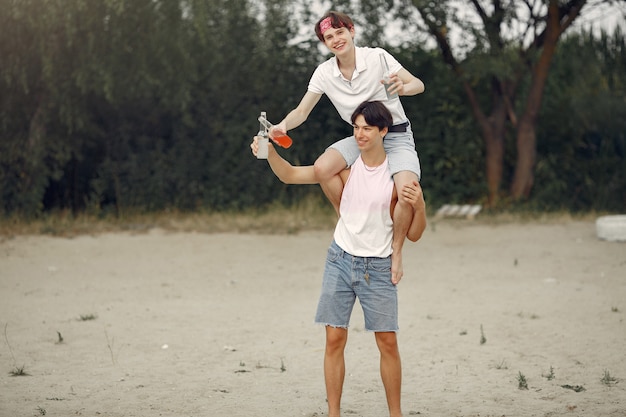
[{"x": 190, "y": 324}]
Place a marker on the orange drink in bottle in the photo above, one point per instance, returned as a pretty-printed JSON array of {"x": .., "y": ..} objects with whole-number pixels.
[{"x": 281, "y": 139}]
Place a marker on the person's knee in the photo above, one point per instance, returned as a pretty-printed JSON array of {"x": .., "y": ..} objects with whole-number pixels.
[
  {"x": 336, "y": 339},
  {"x": 403, "y": 178},
  {"x": 400, "y": 180},
  {"x": 387, "y": 343},
  {"x": 329, "y": 164}
]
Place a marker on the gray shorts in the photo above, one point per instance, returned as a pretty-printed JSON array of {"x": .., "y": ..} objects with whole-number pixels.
[{"x": 399, "y": 146}]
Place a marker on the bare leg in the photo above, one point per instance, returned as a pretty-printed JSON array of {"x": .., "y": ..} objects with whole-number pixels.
[
  {"x": 334, "y": 367},
  {"x": 333, "y": 190},
  {"x": 402, "y": 218},
  {"x": 390, "y": 370},
  {"x": 327, "y": 167}
]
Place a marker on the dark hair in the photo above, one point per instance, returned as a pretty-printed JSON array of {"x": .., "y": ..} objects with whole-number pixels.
[
  {"x": 337, "y": 20},
  {"x": 375, "y": 113}
]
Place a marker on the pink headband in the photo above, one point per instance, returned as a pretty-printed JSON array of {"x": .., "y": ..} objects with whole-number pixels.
[{"x": 325, "y": 25}]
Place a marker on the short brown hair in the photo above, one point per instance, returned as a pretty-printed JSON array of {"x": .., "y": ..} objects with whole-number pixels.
[
  {"x": 375, "y": 113},
  {"x": 337, "y": 20}
]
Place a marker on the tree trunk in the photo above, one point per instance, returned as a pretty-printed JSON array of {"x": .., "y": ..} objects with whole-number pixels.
[
  {"x": 492, "y": 129},
  {"x": 494, "y": 155},
  {"x": 523, "y": 178}
]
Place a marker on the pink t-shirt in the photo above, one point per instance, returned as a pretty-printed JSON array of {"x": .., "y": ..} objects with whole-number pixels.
[{"x": 365, "y": 227}]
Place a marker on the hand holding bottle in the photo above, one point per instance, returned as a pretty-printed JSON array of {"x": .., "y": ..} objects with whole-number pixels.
[
  {"x": 260, "y": 147},
  {"x": 276, "y": 133},
  {"x": 261, "y": 140},
  {"x": 389, "y": 80}
]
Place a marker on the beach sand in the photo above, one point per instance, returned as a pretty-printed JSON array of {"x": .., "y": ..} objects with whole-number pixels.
[{"x": 195, "y": 324}]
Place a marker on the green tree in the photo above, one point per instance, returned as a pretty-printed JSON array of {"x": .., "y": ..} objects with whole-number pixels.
[
  {"x": 504, "y": 47},
  {"x": 581, "y": 151},
  {"x": 37, "y": 52},
  {"x": 149, "y": 104}
]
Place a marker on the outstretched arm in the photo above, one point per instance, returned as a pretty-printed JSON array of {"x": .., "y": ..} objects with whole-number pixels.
[
  {"x": 298, "y": 115},
  {"x": 285, "y": 172},
  {"x": 290, "y": 174}
]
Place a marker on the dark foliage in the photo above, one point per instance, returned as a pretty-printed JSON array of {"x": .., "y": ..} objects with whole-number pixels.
[{"x": 151, "y": 105}]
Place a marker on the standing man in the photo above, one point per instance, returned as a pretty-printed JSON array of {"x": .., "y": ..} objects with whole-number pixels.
[
  {"x": 358, "y": 262},
  {"x": 354, "y": 75}
]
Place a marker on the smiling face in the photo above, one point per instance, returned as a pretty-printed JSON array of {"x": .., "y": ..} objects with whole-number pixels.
[
  {"x": 339, "y": 41},
  {"x": 371, "y": 121},
  {"x": 367, "y": 137}
]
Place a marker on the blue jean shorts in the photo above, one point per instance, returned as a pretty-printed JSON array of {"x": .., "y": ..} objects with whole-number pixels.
[
  {"x": 347, "y": 277},
  {"x": 399, "y": 146}
]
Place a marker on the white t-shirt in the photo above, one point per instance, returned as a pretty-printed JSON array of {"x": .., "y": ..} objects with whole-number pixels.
[
  {"x": 365, "y": 227},
  {"x": 365, "y": 85}
]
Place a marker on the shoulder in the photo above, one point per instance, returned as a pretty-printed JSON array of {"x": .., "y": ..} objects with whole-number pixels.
[
  {"x": 366, "y": 51},
  {"x": 326, "y": 67},
  {"x": 371, "y": 55}
]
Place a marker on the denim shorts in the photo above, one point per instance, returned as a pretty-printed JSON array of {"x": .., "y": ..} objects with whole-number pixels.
[
  {"x": 399, "y": 146},
  {"x": 347, "y": 277}
]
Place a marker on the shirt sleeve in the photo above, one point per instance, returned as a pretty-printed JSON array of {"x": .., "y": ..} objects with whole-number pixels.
[{"x": 316, "y": 83}]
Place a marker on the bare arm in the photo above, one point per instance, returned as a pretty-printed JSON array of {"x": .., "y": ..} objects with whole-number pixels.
[
  {"x": 406, "y": 84},
  {"x": 298, "y": 115},
  {"x": 290, "y": 174},
  {"x": 286, "y": 172}
]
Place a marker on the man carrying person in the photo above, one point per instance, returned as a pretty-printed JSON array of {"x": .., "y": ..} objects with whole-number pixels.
[
  {"x": 354, "y": 75},
  {"x": 358, "y": 262}
]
